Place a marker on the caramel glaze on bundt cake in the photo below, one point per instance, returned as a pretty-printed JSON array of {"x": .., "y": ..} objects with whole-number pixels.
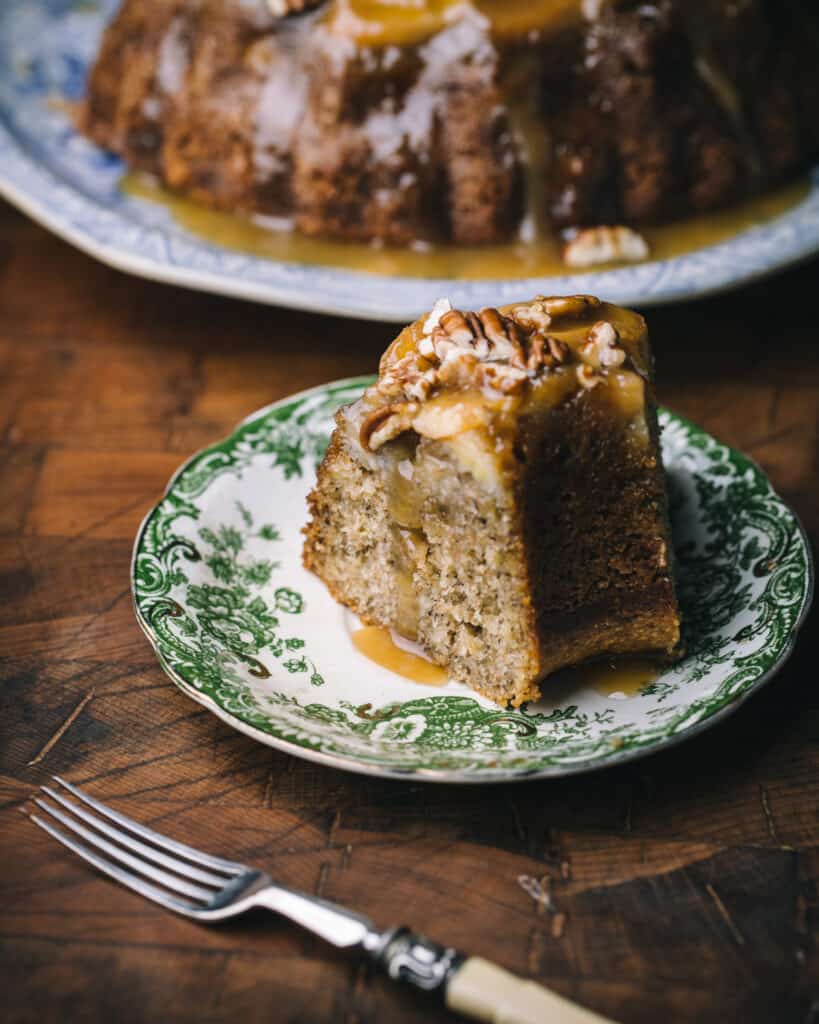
[
  {"x": 449, "y": 120},
  {"x": 498, "y": 494}
]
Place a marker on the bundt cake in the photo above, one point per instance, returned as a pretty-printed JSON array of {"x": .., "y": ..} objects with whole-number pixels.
[
  {"x": 460, "y": 120},
  {"x": 498, "y": 494}
]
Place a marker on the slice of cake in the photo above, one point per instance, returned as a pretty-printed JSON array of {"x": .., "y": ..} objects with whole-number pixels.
[{"x": 498, "y": 494}]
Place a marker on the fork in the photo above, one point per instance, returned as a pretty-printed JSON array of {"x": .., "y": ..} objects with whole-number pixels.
[{"x": 210, "y": 889}]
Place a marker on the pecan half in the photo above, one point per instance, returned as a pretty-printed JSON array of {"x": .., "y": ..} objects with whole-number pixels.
[
  {"x": 500, "y": 377},
  {"x": 602, "y": 350},
  {"x": 546, "y": 352},
  {"x": 488, "y": 335},
  {"x": 605, "y": 245},
  {"x": 504, "y": 337},
  {"x": 456, "y": 327},
  {"x": 386, "y": 423},
  {"x": 455, "y": 331}
]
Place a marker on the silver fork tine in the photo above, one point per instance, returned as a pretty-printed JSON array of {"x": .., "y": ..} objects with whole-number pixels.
[
  {"x": 117, "y": 873},
  {"x": 157, "y": 874},
  {"x": 153, "y": 837},
  {"x": 181, "y": 867}
]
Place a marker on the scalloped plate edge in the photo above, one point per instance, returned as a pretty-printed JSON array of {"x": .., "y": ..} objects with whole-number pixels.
[{"x": 364, "y": 767}]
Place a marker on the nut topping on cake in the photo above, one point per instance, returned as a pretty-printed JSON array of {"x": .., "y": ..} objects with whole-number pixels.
[
  {"x": 587, "y": 377},
  {"x": 602, "y": 347},
  {"x": 487, "y": 335},
  {"x": 454, "y": 326},
  {"x": 546, "y": 352},
  {"x": 502, "y": 377},
  {"x": 569, "y": 305},
  {"x": 422, "y": 387},
  {"x": 505, "y": 337},
  {"x": 496, "y": 355},
  {"x": 535, "y": 316},
  {"x": 441, "y": 306}
]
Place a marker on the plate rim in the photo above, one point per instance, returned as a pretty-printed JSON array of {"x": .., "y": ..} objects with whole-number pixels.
[
  {"x": 359, "y": 282},
  {"x": 350, "y": 763}
]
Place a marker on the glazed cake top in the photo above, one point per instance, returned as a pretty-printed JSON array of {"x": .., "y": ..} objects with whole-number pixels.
[{"x": 452, "y": 372}]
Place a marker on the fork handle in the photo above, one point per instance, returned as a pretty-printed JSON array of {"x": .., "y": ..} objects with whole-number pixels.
[
  {"x": 475, "y": 987},
  {"x": 483, "y": 991}
]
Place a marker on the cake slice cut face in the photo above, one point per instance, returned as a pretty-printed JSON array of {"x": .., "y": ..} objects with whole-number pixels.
[{"x": 498, "y": 494}]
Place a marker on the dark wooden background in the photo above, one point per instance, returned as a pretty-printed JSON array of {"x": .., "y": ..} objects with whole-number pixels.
[{"x": 682, "y": 888}]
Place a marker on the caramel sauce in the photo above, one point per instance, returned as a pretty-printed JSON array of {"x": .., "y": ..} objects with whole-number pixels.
[
  {"x": 625, "y": 392},
  {"x": 551, "y": 389},
  {"x": 409, "y": 549},
  {"x": 404, "y": 499},
  {"x": 611, "y": 678},
  {"x": 538, "y": 258},
  {"x": 405, "y": 22},
  {"x": 617, "y": 677},
  {"x": 377, "y": 644}
]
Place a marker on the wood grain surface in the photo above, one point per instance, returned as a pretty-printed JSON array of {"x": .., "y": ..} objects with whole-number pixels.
[{"x": 681, "y": 888}]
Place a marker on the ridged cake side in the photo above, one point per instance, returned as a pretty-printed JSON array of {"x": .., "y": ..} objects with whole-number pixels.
[{"x": 630, "y": 113}]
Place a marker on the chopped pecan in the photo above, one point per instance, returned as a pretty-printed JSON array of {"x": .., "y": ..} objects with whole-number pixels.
[
  {"x": 454, "y": 331},
  {"x": 569, "y": 305},
  {"x": 422, "y": 386},
  {"x": 605, "y": 245},
  {"x": 546, "y": 351},
  {"x": 535, "y": 316},
  {"x": 458, "y": 369},
  {"x": 396, "y": 378},
  {"x": 507, "y": 380},
  {"x": 602, "y": 349},
  {"x": 442, "y": 346},
  {"x": 386, "y": 423},
  {"x": 587, "y": 377},
  {"x": 441, "y": 306}
]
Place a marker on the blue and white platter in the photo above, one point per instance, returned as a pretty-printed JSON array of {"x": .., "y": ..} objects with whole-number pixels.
[{"x": 72, "y": 187}]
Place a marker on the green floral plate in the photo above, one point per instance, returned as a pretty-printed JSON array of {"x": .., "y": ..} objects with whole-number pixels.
[{"x": 241, "y": 627}]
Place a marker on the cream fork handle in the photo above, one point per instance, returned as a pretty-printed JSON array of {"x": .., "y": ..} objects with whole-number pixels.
[{"x": 483, "y": 991}]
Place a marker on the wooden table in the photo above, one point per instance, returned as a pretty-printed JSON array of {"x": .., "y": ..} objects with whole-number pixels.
[{"x": 681, "y": 888}]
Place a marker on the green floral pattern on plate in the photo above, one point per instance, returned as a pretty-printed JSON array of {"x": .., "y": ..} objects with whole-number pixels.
[{"x": 239, "y": 624}]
